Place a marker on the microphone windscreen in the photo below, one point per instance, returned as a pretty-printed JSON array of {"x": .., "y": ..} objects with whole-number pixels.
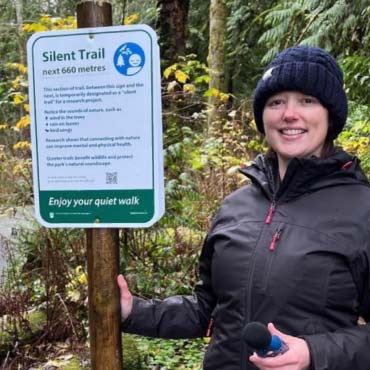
[{"x": 257, "y": 336}]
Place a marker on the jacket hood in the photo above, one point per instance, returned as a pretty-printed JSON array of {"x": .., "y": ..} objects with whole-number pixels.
[{"x": 304, "y": 175}]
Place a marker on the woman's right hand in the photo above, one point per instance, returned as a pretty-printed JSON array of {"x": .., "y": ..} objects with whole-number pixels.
[{"x": 126, "y": 298}]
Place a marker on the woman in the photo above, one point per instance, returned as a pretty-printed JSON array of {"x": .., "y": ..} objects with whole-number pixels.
[{"x": 292, "y": 248}]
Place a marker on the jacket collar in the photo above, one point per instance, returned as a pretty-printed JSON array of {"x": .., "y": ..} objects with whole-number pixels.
[{"x": 304, "y": 175}]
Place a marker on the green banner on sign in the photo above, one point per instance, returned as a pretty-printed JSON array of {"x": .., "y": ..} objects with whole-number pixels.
[{"x": 93, "y": 206}]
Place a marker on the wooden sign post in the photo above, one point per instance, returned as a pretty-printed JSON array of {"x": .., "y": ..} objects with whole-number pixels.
[
  {"x": 104, "y": 311},
  {"x": 102, "y": 251}
]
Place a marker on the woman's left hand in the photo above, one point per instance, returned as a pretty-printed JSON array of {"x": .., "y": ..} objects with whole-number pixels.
[{"x": 297, "y": 357}]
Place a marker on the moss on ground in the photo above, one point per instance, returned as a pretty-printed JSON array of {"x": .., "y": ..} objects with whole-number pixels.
[
  {"x": 131, "y": 355},
  {"x": 73, "y": 364},
  {"x": 25, "y": 333}
]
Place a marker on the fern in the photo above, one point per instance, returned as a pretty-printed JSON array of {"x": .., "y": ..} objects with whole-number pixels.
[
  {"x": 337, "y": 12},
  {"x": 349, "y": 23},
  {"x": 272, "y": 52},
  {"x": 327, "y": 23},
  {"x": 280, "y": 15},
  {"x": 313, "y": 40}
]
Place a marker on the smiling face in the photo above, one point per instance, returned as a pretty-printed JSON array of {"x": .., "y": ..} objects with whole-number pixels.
[
  {"x": 296, "y": 125},
  {"x": 135, "y": 60}
]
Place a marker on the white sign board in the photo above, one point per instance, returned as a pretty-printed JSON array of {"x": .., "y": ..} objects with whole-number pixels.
[{"x": 96, "y": 127}]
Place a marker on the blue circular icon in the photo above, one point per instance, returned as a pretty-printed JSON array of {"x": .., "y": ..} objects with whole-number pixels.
[{"x": 129, "y": 59}]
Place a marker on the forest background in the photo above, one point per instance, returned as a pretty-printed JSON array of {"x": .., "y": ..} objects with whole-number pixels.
[{"x": 212, "y": 54}]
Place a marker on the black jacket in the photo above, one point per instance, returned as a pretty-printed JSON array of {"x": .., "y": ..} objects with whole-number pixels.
[{"x": 296, "y": 254}]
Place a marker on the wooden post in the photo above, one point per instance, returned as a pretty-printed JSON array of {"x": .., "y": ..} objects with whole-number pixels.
[
  {"x": 102, "y": 251},
  {"x": 104, "y": 310},
  {"x": 94, "y": 14}
]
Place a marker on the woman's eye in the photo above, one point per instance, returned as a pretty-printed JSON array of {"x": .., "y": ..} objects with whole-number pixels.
[
  {"x": 309, "y": 100},
  {"x": 274, "y": 102}
]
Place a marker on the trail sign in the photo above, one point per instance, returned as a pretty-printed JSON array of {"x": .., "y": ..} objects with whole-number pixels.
[{"x": 96, "y": 127}]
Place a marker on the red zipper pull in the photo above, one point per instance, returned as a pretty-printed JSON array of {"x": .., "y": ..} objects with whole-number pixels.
[
  {"x": 346, "y": 165},
  {"x": 209, "y": 328},
  {"x": 270, "y": 213},
  {"x": 274, "y": 240}
]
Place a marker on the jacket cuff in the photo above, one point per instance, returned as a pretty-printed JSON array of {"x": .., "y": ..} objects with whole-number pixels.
[
  {"x": 312, "y": 363},
  {"x": 125, "y": 324}
]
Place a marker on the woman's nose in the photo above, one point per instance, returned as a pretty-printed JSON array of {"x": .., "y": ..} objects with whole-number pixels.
[{"x": 290, "y": 112}]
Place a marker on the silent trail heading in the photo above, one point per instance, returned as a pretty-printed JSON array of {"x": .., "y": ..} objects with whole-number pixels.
[{"x": 80, "y": 54}]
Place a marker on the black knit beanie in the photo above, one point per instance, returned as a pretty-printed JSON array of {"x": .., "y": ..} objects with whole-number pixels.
[{"x": 310, "y": 70}]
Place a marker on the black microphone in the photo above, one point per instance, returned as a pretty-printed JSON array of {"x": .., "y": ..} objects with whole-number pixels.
[{"x": 257, "y": 336}]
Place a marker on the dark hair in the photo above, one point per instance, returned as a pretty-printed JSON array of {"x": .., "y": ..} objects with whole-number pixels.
[{"x": 328, "y": 148}]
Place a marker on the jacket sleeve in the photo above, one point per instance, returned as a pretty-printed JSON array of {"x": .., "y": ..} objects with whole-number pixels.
[
  {"x": 347, "y": 348},
  {"x": 178, "y": 316},
  {"x": 341, "y": 350}
]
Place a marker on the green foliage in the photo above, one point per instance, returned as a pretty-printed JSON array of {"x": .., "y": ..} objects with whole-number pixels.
[
  {"x": 356, "y": 137},
  {"x": 172, "y": 354},
  {"x": 24, "y": 328},
  {"x": 338, "y": 26},
  {"x": 72, "y": 364},
  {"x": 9, "y": 42},
  {"x": 43, "y": 267},
  {"x": 15, "y": 179},
  {"x": 48, "y": 23},
  {"x": 13, "y": 103},
  {"x": 60, "y": 8},
  {"x": 188, "y": 70},
  {"x": 132, "y": 356},
  {"x": 244, "y": 27},
  {"x": 184, "y": 116},
  {"x": 181, "y": 187},
  {"x": 198, "y": 24},
  {"x": 146, "y": 10},
  {"x": 162, "y": 262},
  {"x": 356, "y": 70}
]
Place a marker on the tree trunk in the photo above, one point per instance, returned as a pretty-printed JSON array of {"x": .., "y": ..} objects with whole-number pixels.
[
  {"x": 171, "y": 25},
  {"x": 217, "y": 80},
  {"x": 22, "y": 53},
  {"x": 19, "y": 18},
  {"x": 216, "y": 56}
]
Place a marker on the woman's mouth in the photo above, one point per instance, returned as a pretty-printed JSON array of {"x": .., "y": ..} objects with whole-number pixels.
[{"x": 292, "y": 131}]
